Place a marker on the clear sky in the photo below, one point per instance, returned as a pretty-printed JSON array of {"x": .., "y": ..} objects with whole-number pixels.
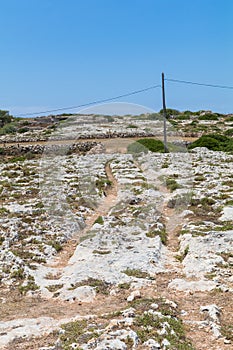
[{"x": 58, "y": 53}]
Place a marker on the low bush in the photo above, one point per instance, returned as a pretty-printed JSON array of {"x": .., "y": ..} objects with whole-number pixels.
[
  {"x": 214, "y": 142},
  {"x": 208, "y": 116},
  {"x": 23, "y": 130},
  {"x": 7, "y": 129},
  {"x": 170, "y": 111},
  {"x": 229, "y": 132},
  {"x": 182, "y": 117},
  {"x": 145, "y": 145}
]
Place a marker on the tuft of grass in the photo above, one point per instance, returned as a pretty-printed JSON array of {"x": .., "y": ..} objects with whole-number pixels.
[
  {"x": 161, "y": 233},
  {"x": 148, "y": 325},
  {"x": 18, "y": 274},
  {"x": 99, "y": 220},
  {"x": 100, "y": 286},
  {"x": 56, "y": 245},
  {"x": 3, "y": 211},
  {"x": 29, "y": 286},
  {"x": 136, "y": 273},
  {"x": 51, "y": 276},
  {"x": 72, "y": 332},
  {"x": 124, "y": 285},
  {"x": 172, "y": 184},
  {"x": 54, "y": 287},
  {"x": 199, "y": 178},
  {"x": 101, "y": 252},
  {"x": 183, "y": 255},
  {"x": 227, "y": 331}
]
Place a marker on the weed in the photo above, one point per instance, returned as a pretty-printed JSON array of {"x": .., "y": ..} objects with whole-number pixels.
[
  {"x": 51, "y": 276},
  {"x": 136, "y": 273},
  {"x": 199, "y": 178},
  {"x": 3, "y": 211},
  {"x": 54, "y": 287},
  {"x": 99, "y": 220},
  {"x": 99, "y": 285},
  {"x": 73, "y": 331},
  {"x": 172, "y": 185},
  {"x": 124, "y": 285},
  {"x": 161, "y": 233},
  {"x": 227, "y": 331},
  {"x": 23, "y": 289},
  {"x": 18, "y": 274},
  {"x": 101, "y": 252},
  {"x": 183, "y": 255},
  {"x": 56, "y": 245}
]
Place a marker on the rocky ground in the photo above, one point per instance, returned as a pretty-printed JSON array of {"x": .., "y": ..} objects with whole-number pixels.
[
  {"x": 93, "y": 126},
  {"x": 117, "y": 251}
]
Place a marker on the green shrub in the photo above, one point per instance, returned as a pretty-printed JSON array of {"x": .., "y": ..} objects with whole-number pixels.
[
  {"x": 145, "y": 145},
  {"x": 161, "y": 233},
  {"x": 23, "y": 130},
  {"x": 182, "y": 117},
  {"x": 5, "y": 118},
  {"x": 172, "y": 185},
  {"x": 229, "y": 119},
  {"x": 23, "y": 289},
  {"x": 153, "y": 116},
  {"x": 131, "y": 126},
  {"x": 229, "y": 132},
  {"x": 7, "y": 129},
  {"x": 208, "y": 116},
  {"x": 214, "y": 142},
  {"x": 170, "y": 111},
  {"x": 56, "y": 245}
]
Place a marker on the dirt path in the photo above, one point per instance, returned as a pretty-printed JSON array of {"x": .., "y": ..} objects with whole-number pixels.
[
  {"x": 112, "y": 145},
  {"x": 102, "y": 210}
]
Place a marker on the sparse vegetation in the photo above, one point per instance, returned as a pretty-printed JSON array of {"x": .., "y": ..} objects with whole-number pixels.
[{"x": 136, "y": 273}]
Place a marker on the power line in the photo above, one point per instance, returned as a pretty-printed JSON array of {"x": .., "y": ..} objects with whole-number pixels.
[
  {"x": 201, "y": 84},
  {"x": 125, "y": 95},
  {"x": 91, "y": 103}
]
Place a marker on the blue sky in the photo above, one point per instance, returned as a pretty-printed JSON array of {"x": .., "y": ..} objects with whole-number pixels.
[{"x": 58, "y": 53}]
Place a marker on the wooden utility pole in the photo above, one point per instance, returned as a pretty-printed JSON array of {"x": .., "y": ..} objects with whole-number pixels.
[{"x": 164, "y": 116}]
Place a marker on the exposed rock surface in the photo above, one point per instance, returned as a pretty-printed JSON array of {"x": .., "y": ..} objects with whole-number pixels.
[{"x": 74, "y": 228}]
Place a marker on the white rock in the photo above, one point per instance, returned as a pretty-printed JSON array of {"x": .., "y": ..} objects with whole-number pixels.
[
  {"x": 85, "y": 294},
  {"x": 186, "y": 286},
  {"x": 165, "y": 342},
  {"x": 213, "y": 312},
  {"x": 129, "y": 312},
  {"x": 171, "y": 303},
  {"x": 134, "y": 295},
  {"x": 227, "y": 214},
  {"x": 186, "y": 213},
  {"x": 111, "y": 344},
  {"x": 152, "y": 344}
]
